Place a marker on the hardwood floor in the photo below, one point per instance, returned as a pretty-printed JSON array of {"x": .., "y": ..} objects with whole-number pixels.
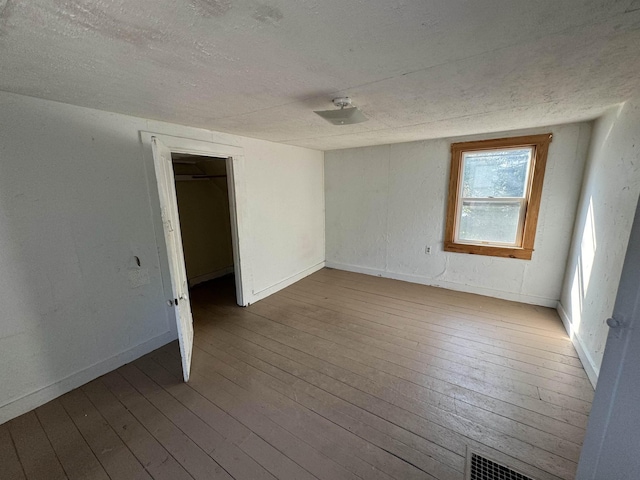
[{"x": 340, "y": 376}]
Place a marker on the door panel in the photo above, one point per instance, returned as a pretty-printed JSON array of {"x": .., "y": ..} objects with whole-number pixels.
[
  {"x": 612, "y": 442},
  {"x": 173, "y": 239}
]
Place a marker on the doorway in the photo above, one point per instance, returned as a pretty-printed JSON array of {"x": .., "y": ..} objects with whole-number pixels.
[
  {"x": 173, "y": 159},
  {"x": 205, "y": 222}
]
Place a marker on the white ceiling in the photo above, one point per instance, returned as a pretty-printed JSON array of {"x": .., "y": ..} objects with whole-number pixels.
[{"x": 417, "y": 68}]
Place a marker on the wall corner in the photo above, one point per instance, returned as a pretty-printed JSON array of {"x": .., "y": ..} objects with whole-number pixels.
[{"x": 588, "y": 363}]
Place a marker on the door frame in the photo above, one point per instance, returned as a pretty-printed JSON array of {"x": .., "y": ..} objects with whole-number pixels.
[{"x": 234, "y": 156}]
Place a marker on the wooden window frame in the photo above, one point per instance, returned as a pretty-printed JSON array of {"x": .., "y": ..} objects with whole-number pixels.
[{"x": 524, "y": 250}]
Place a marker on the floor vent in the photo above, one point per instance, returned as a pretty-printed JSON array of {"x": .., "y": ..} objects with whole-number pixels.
[{"x": 481, "y": 468}]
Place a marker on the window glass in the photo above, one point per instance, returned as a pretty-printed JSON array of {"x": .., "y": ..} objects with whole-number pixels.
[
  {"x": 496, "y": 173},
  {"x": 495, "y": 222}
]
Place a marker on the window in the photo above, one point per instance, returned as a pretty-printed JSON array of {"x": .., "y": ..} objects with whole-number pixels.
[{"x": 494, "y": 196}]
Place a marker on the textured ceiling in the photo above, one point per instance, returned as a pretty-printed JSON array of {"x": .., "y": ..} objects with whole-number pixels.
[{"x": 417, "y": 68}]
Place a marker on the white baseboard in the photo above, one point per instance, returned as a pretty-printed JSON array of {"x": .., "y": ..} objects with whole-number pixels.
[
  {"x": 487, "y": 292},
  {"x": 40, "y": 397},
  {"x": 587, "y": 361},
  {"x": 265, "y": 292},
  {"x": 210, "y": 276}
]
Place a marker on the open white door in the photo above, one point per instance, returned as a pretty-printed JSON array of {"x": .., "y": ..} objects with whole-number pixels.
[
  {"x": 173, "y": 239},
  {"x": 612, "y": 444}
]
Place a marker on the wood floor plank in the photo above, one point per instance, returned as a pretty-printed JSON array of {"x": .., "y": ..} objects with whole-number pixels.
[
  {"x": 371, "y": 402},
  {"x": 11, "y": 467},
  {"x": 236, "y": 462},
  {"x": 418, "y": 424},
  {"x": 149, "y": 452},
  {"x": 214, "y": 416},
  {"x": 570, "y": 386},
  {"x": 302, "y": 426},
  {"x": 272, "y": 459},
  {"x": 296, "y": 449},
  {"x": 192, "y": 458},
  {"x": 458, "y": 425},
  {"x": 406, "y": 446},
  {"x": 568, "y": 356},
  {"x": 547, "y": 394},
  {"x": 204, "y": 436},
  {"x": 34, "y": 450},
  {"x": 73, "y": 452},
  {"x": 269, "y": 457},
  {"x": 415, "y": 372},
  {"x": 440, "y": 323},
  {"x": 532, "y": 315},
  {"x": 524, "y": 317},
  {"x": 460, "y": 312},
  {"x": 440, "y": 315},
  {"x": 534, "y": 436},
  {"x": 579, "y": 401},
  {"x": 437, "y": 346},
  {"x": 305, "y": 422},
  {"x": 113, "y": 454}
]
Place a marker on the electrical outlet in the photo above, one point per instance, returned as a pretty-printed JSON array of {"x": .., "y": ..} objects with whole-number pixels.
[{"x": 427, "y": 249}]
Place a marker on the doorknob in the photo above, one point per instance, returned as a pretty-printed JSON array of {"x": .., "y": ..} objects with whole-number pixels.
[
  {"x": 614, "y": 323},
  {"x": 617, "y": 326}
]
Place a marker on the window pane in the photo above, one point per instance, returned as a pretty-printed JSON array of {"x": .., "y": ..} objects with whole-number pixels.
[
  {"x": 489, "y": 222},
  {"x": 496, "y": 173}
]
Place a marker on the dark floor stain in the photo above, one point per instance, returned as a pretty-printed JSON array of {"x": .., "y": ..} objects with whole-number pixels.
[
  {"x": 267, "y": 14},
  {"x": 94, "y": 18},
  {"x": 211, "y": 8}
]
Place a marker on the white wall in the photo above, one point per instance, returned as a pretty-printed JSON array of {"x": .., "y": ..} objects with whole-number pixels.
[
  {"x": 285, "y": 191},
  {"x": 385, "y": 204},
  {"x": 77, "y": 204},
  {"x": 603, "y": 224}
]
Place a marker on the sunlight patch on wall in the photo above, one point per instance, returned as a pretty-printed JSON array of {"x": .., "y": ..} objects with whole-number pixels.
[
  {"x": 583, "y": 271},
  {"x": 588, "y": 247}
]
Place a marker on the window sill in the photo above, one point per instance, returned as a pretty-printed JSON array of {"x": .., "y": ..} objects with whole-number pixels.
[{"x": 505, "y": 252}]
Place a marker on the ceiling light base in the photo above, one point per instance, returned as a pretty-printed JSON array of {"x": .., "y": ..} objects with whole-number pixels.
[
  {"x": 342, "y": 102},
  {"x": 346, "y": 115}
]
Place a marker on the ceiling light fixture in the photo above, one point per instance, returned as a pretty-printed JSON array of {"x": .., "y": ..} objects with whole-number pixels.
[{"x": 346, "y": 115}]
